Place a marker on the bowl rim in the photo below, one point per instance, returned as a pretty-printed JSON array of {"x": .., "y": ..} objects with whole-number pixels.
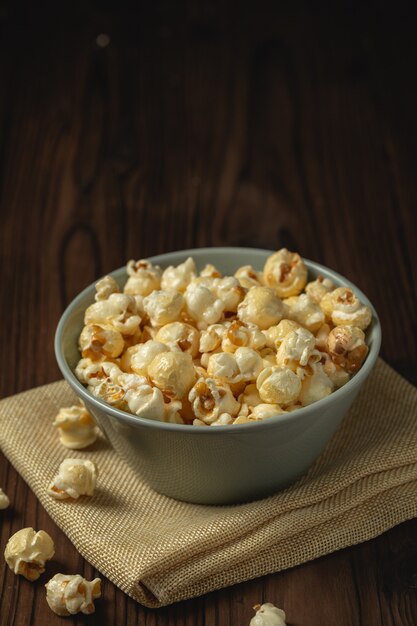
[{"x": 227, "y": 429}]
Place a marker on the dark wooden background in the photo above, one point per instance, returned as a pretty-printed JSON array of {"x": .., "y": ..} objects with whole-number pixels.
[{"x": 198, "y": 124}]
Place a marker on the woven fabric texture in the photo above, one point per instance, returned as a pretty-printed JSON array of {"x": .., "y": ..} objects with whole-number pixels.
[{"x": 161, "y": 551}]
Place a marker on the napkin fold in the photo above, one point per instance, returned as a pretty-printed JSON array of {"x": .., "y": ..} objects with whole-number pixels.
[{"x": 160, "y": 551}]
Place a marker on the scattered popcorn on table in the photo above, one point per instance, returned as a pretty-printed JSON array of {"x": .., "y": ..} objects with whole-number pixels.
[
  {"x": 268, "y": 615},
  {"x": 189, "y": 347},
  {"x": 4, "y": 500},
  {"x": 27, "y": 552},
  {"x": 77, "y": 429},
  {"x": 75, "y": 478},
  {"x": 71, "y": 594}
]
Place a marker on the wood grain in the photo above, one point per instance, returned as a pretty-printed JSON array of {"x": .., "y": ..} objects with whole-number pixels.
[{"x": 199, "y": 124}]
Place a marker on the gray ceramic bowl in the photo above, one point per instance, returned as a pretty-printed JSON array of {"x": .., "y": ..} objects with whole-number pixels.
[{"x": 224, "y": 464}]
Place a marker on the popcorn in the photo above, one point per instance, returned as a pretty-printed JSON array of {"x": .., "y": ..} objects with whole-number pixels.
[
  {"x": 305, "y": 311},
  {"x": 97, "y": 343},
  {"x": 75, "y": 478},
  {"x": 318, "y": 288},
  {"x": 243, "y": 365},
  {"x": 268, "y": 615},
  {"x": 163, "y": 307},
  {"x": 205, "y": 349},
  {"x": 263, "y": 411},
  {"x": 222, "y": 365},
  {"x": 261, "y": 307},
  {"x": 211, "y": 338},
  {"x": 143, "y": 278},
  {"x": 143, "y": 399},
  {"x": 316, "y": 386},
  {"x": 210, "y": 398},
  {"x": 238, "y": 335},
  {"x": 4, "y": 500},
  {"x": 202, "y": 305},
  {"x": 71, "y": 594},
  {"x": 342, "y": 306},
  {"x": 173, "y": 373},
  {"x": 105, "y": 287},
  {"x": 179, "y": 277},
  {"x": 27, "y": 552},
  {"x": 347, "y": 348},
  {"x": 180, "y": 336},
  {"x": 248, "y": 277},
  {"x": 111, "y": 393},
  {"x": 275, "y": 334},
  {"x": 229, "y": 291},
  {"x": 210, "y": 271},
  {"x": 118, "y": 312},
  {"x": 76, "y": 427},
  {"x": 278, "y": 386},
  {"x": 285, "y": 272},
  {"x": 138, "y": 358},
  {"x": 296, "y": 349}
]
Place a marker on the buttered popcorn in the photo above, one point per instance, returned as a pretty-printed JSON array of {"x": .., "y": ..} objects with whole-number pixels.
[
  {"x": 268, "y": 615},
  {"x": 75, "y": 478},
  {"x": 27, "y": 552},
  {"x": 71, "y": 594},
  {"x": 4, "y": 500},
  {"x": 76, "y": 427},
  {"x": 185, "y": 346}
]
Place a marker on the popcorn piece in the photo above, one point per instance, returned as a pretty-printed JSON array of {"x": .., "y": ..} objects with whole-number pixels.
[
  {"x": 316, "y": 386},
  {"x": 285, "y": 272},
  {"x": 105, "y": 287},
  {"x": 318, "y": 288},
  {"x": 180, "y": 336},
  {"x": 118, "y": 312},
  {"x": 27, "y": 552},
  {"x": 248, "y": 277},
  {"x": 76, "y": 427},
  {"x": 138, "y": 358},
  {"x": 244, "y": 365},
  {"x": 111, "y": 393},
  {"x": 211, "y": 338},
  {"x": 296, "y": 349},
  {"x": 250, "y": 396},
  {"x": 97, "y": 343},
  {"x": 163, "y": 307},
  {"x": 179, "y": 277},
  {"x": 75, "y": 478},
  {"x": 143, "y": 278},
  {"x": 141, "y": 398},
  {"x": 261, "y": 306},
  {"x": 305, "y": 311},
  {"x": 210, "y": 271},
  {"x": 263, "y": 411},
  {"x": 222, "y": 365},
  {"x": 202, "y": 305},
  {"x": 210, "y": 398},
  {"x": 347, "y": 348},
  {"x": 71, "y": 594},
  {"x": 93, "y": 373},
  {"x": 223, "y": 420},
  {"x": 238, "y": 335},
  {"x": 268, "y": 615},
  {"x": 275, "y": 334},
  {"x": 343, "y": 307},
  {"x": 278, "y": 386},
  {"x": 321, "y": 337},
  {"x": 229, "y": 291},
  {"x": 337, "y": 375},
  {"x": 173, "y": 373},
  {"x": 4, "y": 500}
]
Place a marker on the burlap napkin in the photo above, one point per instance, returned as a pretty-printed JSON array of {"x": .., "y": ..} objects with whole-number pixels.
[{"x": 160, "y": 551}]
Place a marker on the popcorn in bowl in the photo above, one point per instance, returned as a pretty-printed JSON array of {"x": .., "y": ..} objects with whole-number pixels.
[{"x": 202, "y": 348}]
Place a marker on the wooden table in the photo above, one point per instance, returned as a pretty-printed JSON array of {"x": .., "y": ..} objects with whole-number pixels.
[{"x": 125, "y": 134}]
